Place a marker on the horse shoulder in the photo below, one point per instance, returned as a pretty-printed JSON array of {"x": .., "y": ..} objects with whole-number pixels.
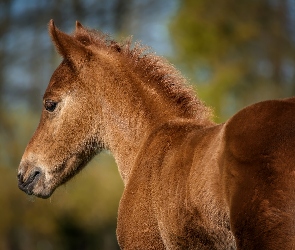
[
  {"x": 206, "y": 194},
  {"x": 185, "y": 197},
  {"x": 137, "y": 227},
  {"x": 137, "y": 217}
]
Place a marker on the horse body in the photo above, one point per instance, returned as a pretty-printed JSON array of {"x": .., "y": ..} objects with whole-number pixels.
[
  {"x": 189, "y": 183},
  {"x": 258, "y": 171}
]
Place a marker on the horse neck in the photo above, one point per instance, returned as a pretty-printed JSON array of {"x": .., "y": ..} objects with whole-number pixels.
[
  {"x": 129, "y": 115},
  {"x": 132, "y": 108}
]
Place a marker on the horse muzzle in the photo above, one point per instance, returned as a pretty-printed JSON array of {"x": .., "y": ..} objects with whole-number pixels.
[{"x": 28, "y": 183}]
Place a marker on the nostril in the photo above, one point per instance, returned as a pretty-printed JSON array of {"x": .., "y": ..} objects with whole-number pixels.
[
  {"x": 27, "y": 184},
  {"x": 34, "y": 175}
]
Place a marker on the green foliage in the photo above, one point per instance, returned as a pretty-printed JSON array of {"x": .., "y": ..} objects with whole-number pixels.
[{"x": 238, "y": 52}]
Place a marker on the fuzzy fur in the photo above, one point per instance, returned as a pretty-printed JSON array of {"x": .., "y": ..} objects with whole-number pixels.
[{"x": 189, "y": 183}]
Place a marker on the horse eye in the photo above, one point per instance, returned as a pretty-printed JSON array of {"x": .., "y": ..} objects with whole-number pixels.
[{"x": 50, "y": 105}]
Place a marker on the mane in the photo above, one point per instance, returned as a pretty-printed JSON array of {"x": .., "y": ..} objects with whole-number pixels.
[{"x": 155, "y": 69}]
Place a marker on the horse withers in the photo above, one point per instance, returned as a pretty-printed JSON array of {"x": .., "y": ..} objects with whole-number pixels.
[{"x": 189, "y": 183}]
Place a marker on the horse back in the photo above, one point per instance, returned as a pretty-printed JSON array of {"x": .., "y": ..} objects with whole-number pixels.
[{"x": 258, "y": 171}]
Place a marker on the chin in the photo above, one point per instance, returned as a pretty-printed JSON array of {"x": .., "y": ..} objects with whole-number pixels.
[{"x": 44, "y": 194}]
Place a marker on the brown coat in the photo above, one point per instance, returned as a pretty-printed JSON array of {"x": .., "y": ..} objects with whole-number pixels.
[{"x": 189, "y": 183}]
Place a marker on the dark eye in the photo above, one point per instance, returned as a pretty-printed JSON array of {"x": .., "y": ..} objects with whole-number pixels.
[{"x": 50, "y": 105}]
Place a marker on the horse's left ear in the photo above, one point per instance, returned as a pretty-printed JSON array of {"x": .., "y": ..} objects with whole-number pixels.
[
  {"x": 68, "y": 46},
  {"x": 79, "y": 26}
]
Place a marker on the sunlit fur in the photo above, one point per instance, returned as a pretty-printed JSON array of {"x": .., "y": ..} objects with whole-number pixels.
[{"x": 189, "y": 183}]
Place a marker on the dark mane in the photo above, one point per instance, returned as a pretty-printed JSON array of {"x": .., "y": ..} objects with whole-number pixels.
[{"x": 156, "y": 69}]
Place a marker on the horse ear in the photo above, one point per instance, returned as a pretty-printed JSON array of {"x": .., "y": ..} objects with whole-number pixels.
[
  {"x": 79, "y": 26},
  {"x": 68, "y": 46}
]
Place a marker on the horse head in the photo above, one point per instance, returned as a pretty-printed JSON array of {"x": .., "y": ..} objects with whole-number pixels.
[{"x": 67, "y": 136}]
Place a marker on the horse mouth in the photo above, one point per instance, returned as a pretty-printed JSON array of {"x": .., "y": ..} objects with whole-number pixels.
[
  {"x": 42, "y": 183},
  {"x": 31, "y": 185}
]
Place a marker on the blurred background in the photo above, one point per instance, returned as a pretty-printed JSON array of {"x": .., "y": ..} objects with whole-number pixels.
[{"x": 234, "y": 53}]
